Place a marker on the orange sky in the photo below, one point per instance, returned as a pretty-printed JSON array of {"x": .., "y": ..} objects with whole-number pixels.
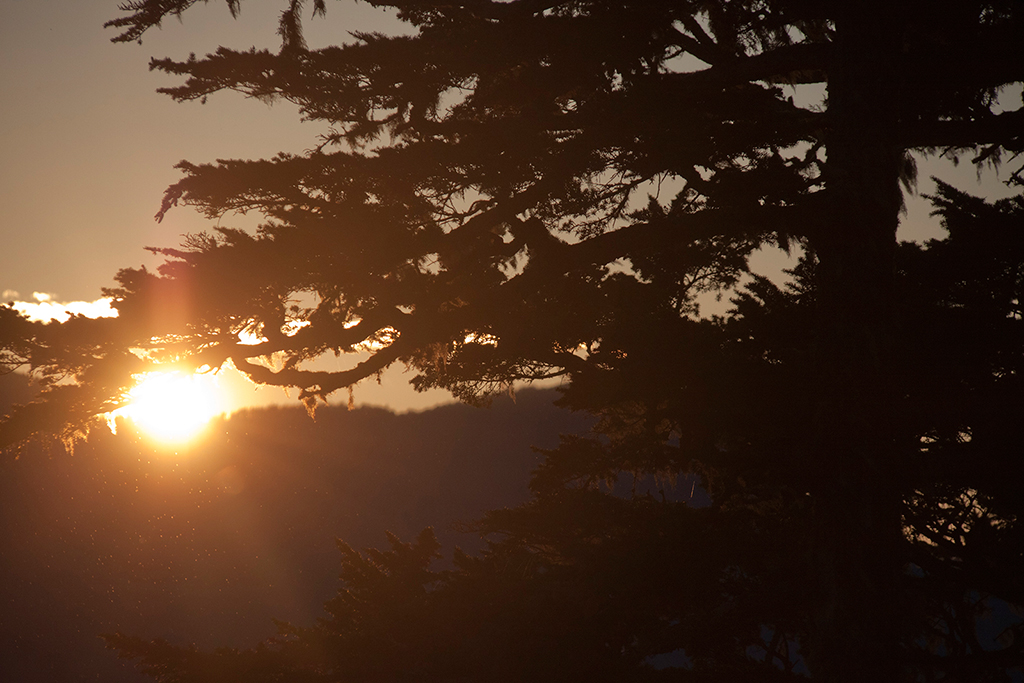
[{"x": 87, "y": 147}]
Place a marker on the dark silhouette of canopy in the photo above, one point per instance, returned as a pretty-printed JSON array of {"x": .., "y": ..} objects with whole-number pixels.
[{"x": 525, "y": 190}]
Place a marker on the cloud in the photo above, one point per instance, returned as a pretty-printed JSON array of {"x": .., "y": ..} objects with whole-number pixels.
[
  {"x": 45, "y": 309},
  {"x": 9, "y": 294}
]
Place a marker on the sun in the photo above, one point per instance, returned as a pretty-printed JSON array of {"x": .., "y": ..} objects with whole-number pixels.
[{"x": 173, "y": 407}]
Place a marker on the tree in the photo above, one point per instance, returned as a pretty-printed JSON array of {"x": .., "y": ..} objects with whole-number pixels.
[
  {"x": 526, "y": 189},
  {"x": 585, "y": 582}
]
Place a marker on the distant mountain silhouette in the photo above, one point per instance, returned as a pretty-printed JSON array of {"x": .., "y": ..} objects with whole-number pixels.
[{"x": 207, "y": 546}]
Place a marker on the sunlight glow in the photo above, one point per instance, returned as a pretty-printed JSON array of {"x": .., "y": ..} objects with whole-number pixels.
[
  {"x": 173, "y": 408},
  {"x": 44, "y": 308}
]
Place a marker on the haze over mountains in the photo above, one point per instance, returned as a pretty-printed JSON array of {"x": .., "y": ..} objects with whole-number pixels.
[{"x": 209, "y": 545}]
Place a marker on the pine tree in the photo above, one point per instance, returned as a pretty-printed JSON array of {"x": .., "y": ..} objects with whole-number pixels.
[
  {"x": 630, "y": 581},
  {"x": 524, "y": 190}
]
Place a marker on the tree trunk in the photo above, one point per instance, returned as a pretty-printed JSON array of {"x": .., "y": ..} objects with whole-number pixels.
[{"x": 857, "y": 505}]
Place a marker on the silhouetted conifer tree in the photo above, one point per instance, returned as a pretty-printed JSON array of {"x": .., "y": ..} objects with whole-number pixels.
[{"x": 523, "y": 190}]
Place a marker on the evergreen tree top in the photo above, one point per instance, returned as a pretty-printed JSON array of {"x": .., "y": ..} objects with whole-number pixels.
[{"x": 505, "y": 154}]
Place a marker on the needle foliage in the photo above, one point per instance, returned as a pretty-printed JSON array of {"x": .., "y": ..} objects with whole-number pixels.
[{"x": 523, "y": 190}]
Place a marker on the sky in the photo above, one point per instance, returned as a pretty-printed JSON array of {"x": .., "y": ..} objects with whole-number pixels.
[{"x": 87, "y": 146}]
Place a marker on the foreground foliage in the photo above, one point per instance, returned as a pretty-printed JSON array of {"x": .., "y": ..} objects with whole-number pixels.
[
  {"x": 632, "y": 582},
  {"x": 526, "y": 190}
]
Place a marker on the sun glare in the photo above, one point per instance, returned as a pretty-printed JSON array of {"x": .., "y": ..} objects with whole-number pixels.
[{"x": 172, "y": 407}]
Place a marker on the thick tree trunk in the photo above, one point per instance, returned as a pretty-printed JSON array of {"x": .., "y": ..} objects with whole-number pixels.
[{"x": 857, "y": 505}]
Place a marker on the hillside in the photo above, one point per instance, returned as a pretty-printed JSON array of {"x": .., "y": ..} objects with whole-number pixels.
[{"x": 208, "y": 546}]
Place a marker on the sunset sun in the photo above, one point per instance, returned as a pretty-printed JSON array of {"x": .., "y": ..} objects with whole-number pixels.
[{"x": 172, "y": 407}]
